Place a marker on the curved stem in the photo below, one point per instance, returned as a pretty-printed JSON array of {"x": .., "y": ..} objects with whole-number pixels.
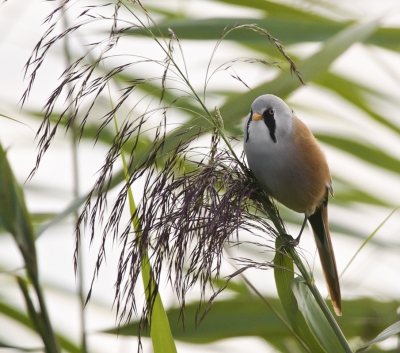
[
  {"x": 216, "y": 120},
  {"x": 76, "y": 192},
  {"x": 321, "y": 302}
]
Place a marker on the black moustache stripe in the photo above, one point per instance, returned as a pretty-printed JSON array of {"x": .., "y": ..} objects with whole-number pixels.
[
  {"x": 269, "y": 120},
  {"x": 248, "y": 125}
]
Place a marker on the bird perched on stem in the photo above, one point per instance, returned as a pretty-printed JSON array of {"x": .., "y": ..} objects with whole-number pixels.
[{"x": 288, "y": 162}]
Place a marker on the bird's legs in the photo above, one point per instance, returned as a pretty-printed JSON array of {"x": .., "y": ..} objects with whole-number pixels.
[{"x": 297, "y": 240}]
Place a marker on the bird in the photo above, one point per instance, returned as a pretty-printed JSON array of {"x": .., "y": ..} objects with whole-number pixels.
[{"x": 288, "y": 162}]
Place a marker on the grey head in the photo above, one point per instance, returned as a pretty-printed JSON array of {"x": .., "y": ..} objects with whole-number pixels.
[{"x": 276, "y": 116}]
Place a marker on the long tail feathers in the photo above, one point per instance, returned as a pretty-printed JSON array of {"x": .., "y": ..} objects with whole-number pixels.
[{"x": 319, "y": 225}]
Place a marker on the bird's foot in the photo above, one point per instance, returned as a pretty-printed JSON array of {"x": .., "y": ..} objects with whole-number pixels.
[{"x": 288, "y": 240}]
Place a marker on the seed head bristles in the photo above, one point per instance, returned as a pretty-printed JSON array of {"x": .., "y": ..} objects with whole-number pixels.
[
  {"x": 186, "y": 217},
  {"x": 227, "y": 65}
]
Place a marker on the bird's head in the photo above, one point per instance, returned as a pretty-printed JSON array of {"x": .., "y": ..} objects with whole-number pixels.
[{"x": 274, "y": 113}]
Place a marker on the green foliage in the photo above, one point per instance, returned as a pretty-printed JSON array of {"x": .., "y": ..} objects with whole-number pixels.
[
  {"x": 390, "y": 331},
  {"x": 284, "y": 275},
  {"x": 15, "y": 219},
  {"x": 314, "y": 317},
  {"x": 247, "y": 315}
]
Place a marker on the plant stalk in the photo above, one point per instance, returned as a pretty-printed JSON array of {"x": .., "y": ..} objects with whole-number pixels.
[
  {"x": 47, "y": 332},
  {"x": 213, "y": 120},
  {"x": 162, "y": 342},
  {"x": 76, "y": 192},
  {"x": 321, "y": 302}
]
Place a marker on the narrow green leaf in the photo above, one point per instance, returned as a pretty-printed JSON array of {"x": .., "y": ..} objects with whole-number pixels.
[
  {"x": 290, "y": 217},
  {"x": 14, "y": 217},
  {"x": 346, "y": 193},
  {"x": 366, "y": 241},
  {"x": 290, "y": 24},
  {"x": 22, "y": 319},
  {"x": 35, "y": 318},
  {"x": 16, "y": 315},
  {"x": 22, "y": 349},
  {"x": 280, "y": 10},
  {"x": 366, "y": 318},
  {"x": 241, "y": 316},
  {"x": 236, "y": 287},
  {"x": 284, "y": 274},
  {"x": 160, "y": 331},
  {"x": 386, "y": 37},
  {"x": 355, "y": 94},
  {"x": 314, "y": 317},
  {"x": 390, "y": 331},
  {"x": 367, "y": 153},
  {"x": 287, "y": 29},
  {"x": 235, "y": 109},
  {"x": 246, "y": 316},
  {"x": 17, "y": 121},
  {"x": 72, "y": 207}
]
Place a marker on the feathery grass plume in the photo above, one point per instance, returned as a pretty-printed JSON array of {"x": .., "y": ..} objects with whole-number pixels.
[
  {"x": 88, "y": 79},
  {"x": 186, "y": 218},
  {"x": 195, "y": 200}
]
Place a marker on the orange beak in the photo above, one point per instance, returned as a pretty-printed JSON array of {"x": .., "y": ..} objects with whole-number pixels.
[{"x": 256, "y": 116}]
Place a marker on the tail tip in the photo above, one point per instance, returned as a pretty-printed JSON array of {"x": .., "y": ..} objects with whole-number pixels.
[{"x": 337, "y": 309}]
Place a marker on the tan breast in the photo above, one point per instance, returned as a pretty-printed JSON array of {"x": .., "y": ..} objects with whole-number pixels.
[{"x": 312, "y": 173}]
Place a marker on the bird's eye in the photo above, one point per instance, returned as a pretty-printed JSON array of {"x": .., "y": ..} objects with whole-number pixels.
[{"x": 271, "y": 111}]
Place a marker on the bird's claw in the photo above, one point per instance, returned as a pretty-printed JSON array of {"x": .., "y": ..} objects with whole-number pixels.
[{"x": 288, "y": 240}]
